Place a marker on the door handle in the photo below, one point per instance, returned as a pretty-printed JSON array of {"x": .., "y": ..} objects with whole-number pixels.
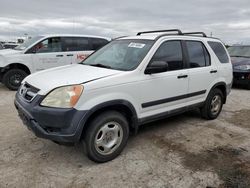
[
  {"x": 182, "y": 76},
  {"x": 59, "y": 55},
  {"x": 213, "y": 71},
  {"x": 69, "y": 55}
]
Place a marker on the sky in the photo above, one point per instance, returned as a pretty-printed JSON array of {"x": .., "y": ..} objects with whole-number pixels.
[{"x": 228, "y": 20}]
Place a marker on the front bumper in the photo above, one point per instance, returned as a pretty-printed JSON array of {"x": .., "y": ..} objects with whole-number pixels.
[
  {"x": 241, "y": 78},
  {"x": 61, "y": 125}
]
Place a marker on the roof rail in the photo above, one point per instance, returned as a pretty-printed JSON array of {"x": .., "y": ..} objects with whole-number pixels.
[
  {"x": 195, "y": 33},
  {"x": 161, "y": 31}
]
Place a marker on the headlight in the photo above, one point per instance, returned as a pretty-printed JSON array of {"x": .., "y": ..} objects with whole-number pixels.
[
  {"x": 242, "y": 67},
  {"x": 63, "y": 97}
]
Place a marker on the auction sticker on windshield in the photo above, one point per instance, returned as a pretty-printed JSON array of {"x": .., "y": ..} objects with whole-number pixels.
[{"x": 136, "y": 45}]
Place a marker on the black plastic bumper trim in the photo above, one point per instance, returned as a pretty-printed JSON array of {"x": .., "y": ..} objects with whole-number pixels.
[{"x": 62, "y": 125}]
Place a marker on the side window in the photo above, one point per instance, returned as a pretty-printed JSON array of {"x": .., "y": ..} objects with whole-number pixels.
[
  {"x": 98, "y": 43},
  {"x": 198, "y": 55},
  {"x": 171, "y": 52},
  {"x": 220, "y": 51},
  {"x": 82, "y": 44},
  {"x": 75, "y": 44},
  {"x": 49, "y": 45}
]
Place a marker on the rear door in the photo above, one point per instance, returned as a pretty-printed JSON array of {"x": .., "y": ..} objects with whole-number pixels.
[{"x": 201, "y": 72}]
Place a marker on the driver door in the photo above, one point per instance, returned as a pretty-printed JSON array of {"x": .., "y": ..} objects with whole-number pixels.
[
  {"x": 49, "y": 54},
  {"x": 165, "y": 91}
]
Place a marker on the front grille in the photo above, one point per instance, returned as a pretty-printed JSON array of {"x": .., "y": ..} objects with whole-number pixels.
[{"x": 28, "y": 92}]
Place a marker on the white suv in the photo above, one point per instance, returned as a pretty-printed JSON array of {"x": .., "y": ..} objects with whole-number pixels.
[
  {"x": 127, "y": 83},
  {"x": 43, "y": 52}
]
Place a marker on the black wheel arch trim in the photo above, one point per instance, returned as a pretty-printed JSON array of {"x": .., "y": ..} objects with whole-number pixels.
[
  {"x": 224, "y": 92},
  {"x": 112, "y": 103}
]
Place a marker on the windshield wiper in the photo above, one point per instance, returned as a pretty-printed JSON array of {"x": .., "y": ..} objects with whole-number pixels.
[
  {"x": 100, "y": 65},
  {"x": 240, "y": 56}
]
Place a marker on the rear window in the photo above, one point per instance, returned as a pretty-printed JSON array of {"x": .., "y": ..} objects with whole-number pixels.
[
  {"x": 76, "y": 44},
  {"x": 198, "y": 55},
  {"x": 220, "y": 51}
]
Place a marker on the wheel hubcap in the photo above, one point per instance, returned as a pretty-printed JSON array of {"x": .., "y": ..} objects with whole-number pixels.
[
  {"x": 16, "y": 79},
  {"x": 216, "y": 104},
  {"x": 108, "y": 138}
]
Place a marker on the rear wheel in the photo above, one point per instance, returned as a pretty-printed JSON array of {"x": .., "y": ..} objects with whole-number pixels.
[
  {"x": 13, "y": 78},
  {"x": 213, "y": 105},
  {"x": 106, "y": 136}
]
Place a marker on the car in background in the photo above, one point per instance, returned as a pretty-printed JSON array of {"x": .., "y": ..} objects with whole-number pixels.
[
  {"x": 1, "y": 46},
  {"x": 44, "y": 52},
  {"x": 10, "y": 45},
  {"x": 240, "y": 56}
]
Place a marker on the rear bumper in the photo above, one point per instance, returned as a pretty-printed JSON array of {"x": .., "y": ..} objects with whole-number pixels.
[{"x": 61, "y": 125}]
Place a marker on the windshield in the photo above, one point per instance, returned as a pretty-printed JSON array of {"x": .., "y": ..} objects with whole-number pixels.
[
  {"x": 120, "y": 54},
  {"x": 27, "y": 43},
  {"x": 239, "y": 51}
]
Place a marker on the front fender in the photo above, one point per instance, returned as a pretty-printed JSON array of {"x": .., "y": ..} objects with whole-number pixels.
[
  {"x": 3, "y": 62},
  {"x": 92, "y": 99}
]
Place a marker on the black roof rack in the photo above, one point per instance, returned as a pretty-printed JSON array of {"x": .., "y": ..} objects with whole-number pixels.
[
  {"x": 195, "y": 33},
  {"x": 161, "y": 31}
]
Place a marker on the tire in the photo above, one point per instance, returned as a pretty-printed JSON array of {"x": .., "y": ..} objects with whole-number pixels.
[
  {"x": 212, "y": 109},
  {"x": 13, "y": 78},
  {"x": 109, "y": 128}
]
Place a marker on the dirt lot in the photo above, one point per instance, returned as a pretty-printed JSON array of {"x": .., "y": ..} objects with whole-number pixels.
[{"x": 183, "y": 151}]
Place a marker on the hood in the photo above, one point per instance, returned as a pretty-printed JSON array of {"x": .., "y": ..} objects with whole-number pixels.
[
  {"x": 66, "y": 75},
  {"x": 8, "y": 52},
  {"x": 240, "y": 61}
]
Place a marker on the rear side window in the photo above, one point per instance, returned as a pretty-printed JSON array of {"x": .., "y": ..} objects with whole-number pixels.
[
  {"x": 220, "y": 51},
  {"x": 198, "y": 55},
  {"x": 98, "y": 43},
  {"x": 76, "y": 44},
  {"x": 171, "y": 52}
]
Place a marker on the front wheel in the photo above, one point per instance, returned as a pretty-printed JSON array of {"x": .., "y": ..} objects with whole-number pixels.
[
  {"x": 213, "y": 105},
  {"x": 13, "y": 78},
  {"x": 106, "y": 136}
]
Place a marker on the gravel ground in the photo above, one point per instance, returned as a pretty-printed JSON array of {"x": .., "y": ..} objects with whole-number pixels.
[{"x": 183, "y": 151}]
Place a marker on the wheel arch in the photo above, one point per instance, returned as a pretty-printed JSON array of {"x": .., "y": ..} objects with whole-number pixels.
[
  {"x": 223, "y": 87},
  {"x": 17, "y": 66},
  {"x": 122, "y": 106}
]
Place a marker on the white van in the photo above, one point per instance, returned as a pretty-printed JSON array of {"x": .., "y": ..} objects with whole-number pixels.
[{"x": 43, "y": 52}]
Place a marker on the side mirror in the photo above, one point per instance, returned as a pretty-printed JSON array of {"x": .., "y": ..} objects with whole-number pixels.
[{"x": 156, "y": 67}]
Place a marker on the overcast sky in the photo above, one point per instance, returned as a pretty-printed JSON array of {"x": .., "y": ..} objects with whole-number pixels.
[{"x": 226, "y": 19}]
